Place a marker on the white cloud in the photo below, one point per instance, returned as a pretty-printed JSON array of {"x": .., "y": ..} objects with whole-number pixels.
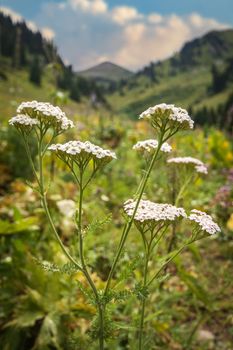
[
  {"x": 135, "y": 32},
  {"x": 93, "y": 6},
  {"x": 46, "y": 32},
  {"x": 124, "y": 14},
  {"x": 32, "y": 26},
  {"x": 155, "y": 18},
  {"x": 16, "y": 17}
]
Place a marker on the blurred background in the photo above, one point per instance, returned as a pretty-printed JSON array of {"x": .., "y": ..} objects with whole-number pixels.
[{"x": 104, "y": 62}]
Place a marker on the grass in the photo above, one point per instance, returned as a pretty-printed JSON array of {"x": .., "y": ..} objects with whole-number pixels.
[
  {"x": 18, "y": 88},
  {"x": 185, "y": 89}
]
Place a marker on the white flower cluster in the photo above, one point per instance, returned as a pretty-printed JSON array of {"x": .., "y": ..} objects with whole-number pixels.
[
  {"x": 45, "y": 112},
  {"x": 204, "y": 221},
  {"x": 23, "y": 120},
  {"x": 177, "y": 116},
  {"x": 81, "y": 151},
  {"x": 198, "y": 165},
  {"x": 150, "y": 145},
  {"x": 150, "y": 211},
  {"x": 67, "y": 207}
]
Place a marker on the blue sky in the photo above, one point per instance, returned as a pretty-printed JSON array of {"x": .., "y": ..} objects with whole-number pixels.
[{"x": 127, "y": 32}]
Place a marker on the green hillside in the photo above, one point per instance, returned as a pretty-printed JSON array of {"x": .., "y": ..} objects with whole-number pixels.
[
  {"x": 15, "y": 87},
  {"x": 31, "y": 68},
  {"x": 185, "y": 79}
]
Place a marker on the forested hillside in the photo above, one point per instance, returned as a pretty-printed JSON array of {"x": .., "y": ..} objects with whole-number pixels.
[
  {"x": 26, "y": 56},
  {"x": 199, "y": 77}
]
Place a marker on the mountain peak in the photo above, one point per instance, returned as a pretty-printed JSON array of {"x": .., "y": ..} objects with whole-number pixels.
[{"x": 106, "y": 71}]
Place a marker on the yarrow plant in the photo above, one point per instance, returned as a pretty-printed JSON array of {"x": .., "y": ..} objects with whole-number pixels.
[
  {"x": 150, "y": 145},
  {"x": 152, "y": 220},
  {"x": 190, "y": 162}
]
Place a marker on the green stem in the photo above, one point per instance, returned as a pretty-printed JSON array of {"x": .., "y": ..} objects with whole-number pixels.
[
  {"x": 183, "y": 189},
  {"x": 30, "y": 158},
  {"x": 84, "y": 266},
  {"x": 179, "y": 196},
  {"x": 128, "y": 225},
  {"x": 166, "y": 263},
  {"x": 143, "y": 303},
  {"x": 46, "y": 209}
]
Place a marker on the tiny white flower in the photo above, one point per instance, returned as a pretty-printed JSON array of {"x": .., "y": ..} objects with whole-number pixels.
[
  {"x": 176, "y": 117},
  {"x": 204, "y": 221},
  {"x": 198, "y": 165},
  {"x": 67, "y": 207},
  {"x": 150, "y": 145},
  {"x": 80, "y": 152},
  {"x": 23, "y": 123},
  {"x": 150, "y": 211},
  {"x": 47, "y": 113}
]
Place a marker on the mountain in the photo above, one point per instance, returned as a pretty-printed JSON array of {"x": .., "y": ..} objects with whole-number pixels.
[
  {"x": 186, "y": 79},
  {"x": 106, "y": 72},
  {"x": 216, "y": 45}
]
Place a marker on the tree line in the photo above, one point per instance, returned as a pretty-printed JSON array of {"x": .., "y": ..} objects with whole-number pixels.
[{"x": 26, "y": 49}]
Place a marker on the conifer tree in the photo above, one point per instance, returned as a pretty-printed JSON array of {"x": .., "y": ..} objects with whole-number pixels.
[{"x": 35, "y": 73}]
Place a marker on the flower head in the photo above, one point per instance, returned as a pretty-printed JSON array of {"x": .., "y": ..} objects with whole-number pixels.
[
  {"x": 46, "y": 113},
  {"x": 174, "y": 118},
  {"x": 204, "y": 222},
  {"x": 82, "y": 153},
  {"x": 149, "y": 146},
  {"x": 23, "y": 122},
  {"x": 151, "y": 213},
  {"x": 67, "y": 207},
  {"x": 195, "y": 163}
]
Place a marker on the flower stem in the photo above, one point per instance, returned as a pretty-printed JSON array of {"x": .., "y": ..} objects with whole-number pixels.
[
  {"x": 84, "y": 266},
  {"x": 182, "y": 190},
  {"x": 46, "y": 209},
  {"x": 128, "y": 225},
  {"x": 166, "y": 263},
  {"x": 143, "y": 303}
]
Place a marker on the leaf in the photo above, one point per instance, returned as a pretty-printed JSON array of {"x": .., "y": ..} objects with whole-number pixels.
[
  {"x": 26, "y": 319},
  {"x": 68, "y": 268},
  {"x": 96, "y": 225},
  {"x": 48, "y": 335},
  {"x": 129, "y": 268},
  {"x": 153, "y": 315},
  {"x": 19, "y": 226},
  {"x": 193, "y": 248},
  {"x": 86, "y": 293},
  {"x": 195, "y": 287},
  {"x": 124, "y": 326}
]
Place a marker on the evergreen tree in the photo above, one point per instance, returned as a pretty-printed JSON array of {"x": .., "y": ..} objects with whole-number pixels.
[
  {"x": 74, "y": 91},
  {"x": 65, "y": 80},
  {"x": 35, "y": 73},
  {"x": 218, "y": 80}
]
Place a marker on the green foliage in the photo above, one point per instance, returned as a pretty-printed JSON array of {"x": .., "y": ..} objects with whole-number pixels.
[
  {"x": 68, "y": 268},
  {"x": 19, "y": 226},
  {"x": 97, "y": 225},
  {"x": 209, "y": 89},
  {"x": 35, "y": 74},
  {"x": 14, "y": 151}
]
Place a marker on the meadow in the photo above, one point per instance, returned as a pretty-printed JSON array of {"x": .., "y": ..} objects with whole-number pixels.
[{"x": 46, "y": 302}]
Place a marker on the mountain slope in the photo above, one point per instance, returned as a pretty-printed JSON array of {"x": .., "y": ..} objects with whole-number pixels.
[
  {"x": 106, "y": 71},
  {"x": 31, "y": 68},
  {"x": 184, "y": 79}
]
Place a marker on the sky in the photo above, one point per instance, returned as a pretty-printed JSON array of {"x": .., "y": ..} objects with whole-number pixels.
[{"x": 130, "y": 33}]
